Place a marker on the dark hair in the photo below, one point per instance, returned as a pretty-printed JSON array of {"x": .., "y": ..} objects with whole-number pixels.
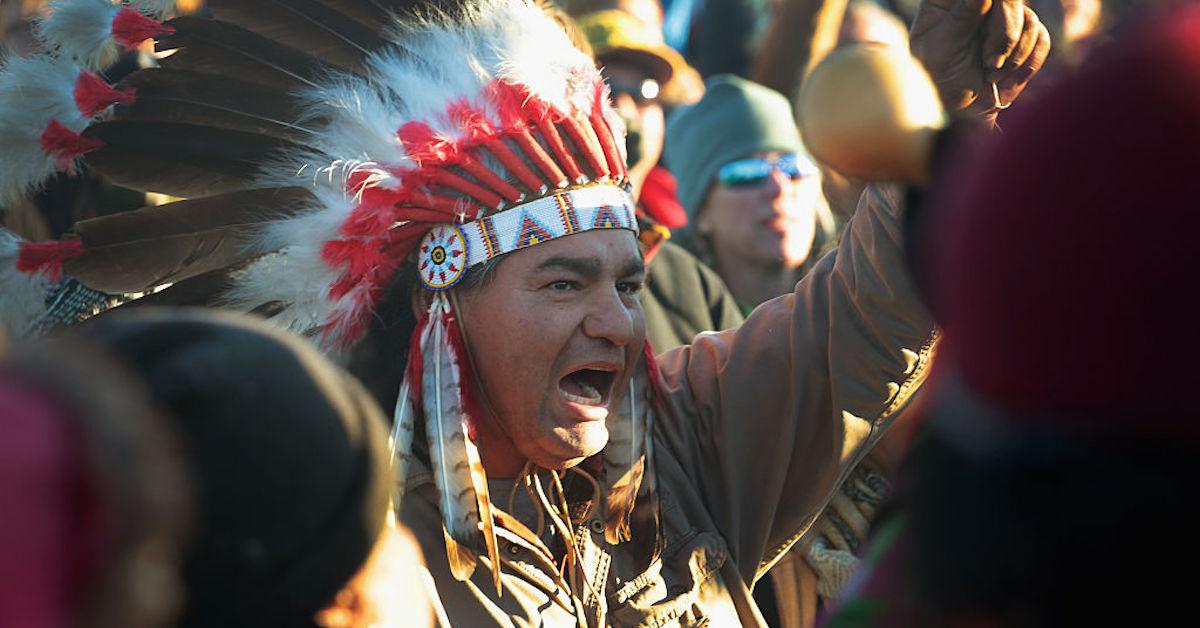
[{"x": 378, "y": 361}]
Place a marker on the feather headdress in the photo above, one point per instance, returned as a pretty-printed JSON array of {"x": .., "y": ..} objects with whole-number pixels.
[{"x": 320, "y": 145}]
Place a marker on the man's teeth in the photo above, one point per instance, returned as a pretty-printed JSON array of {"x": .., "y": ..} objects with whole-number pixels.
[{"x": 590, "y": 395}]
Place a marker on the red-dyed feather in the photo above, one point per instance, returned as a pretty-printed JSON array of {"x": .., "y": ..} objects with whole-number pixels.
[
  {"x": 413, "y": 370},
  {"x": 64, "y": 145},
  {"x": 93, "y": 95},
  {"x": 130, "y": 28},
  {"x": 47, "y": 257},
  {"x": 424, "y": 144},
  {"x": 473, "y": 121}
]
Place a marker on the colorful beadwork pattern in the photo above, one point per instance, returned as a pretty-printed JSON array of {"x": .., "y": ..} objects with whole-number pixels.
[
  {"x": 442, "y": 258},
  {"x": 603, "y": 206}
]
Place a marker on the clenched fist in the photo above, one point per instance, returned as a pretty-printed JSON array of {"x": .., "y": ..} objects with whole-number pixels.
[{"x": 980, "y": 53}]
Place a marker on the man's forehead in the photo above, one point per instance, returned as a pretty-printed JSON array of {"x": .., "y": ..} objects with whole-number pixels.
[{"x": 598, "y": 250}]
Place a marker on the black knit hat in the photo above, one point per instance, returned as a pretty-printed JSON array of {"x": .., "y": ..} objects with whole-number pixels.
[{"x": 289, "y": 453}]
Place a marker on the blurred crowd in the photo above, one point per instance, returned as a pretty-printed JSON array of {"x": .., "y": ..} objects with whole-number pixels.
[{"x": 197, "y": 467}]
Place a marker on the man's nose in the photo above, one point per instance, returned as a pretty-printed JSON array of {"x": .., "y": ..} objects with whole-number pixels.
[{"x": 611, "y": 319}]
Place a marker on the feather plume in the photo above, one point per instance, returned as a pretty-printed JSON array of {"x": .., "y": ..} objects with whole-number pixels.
[
  {"x": 447, "y": 435},
  {"x": 184, "y": 97},
  {"x": 180, "y": 159},
  {"x": 305, "y": 25},
  {"x": 472, "y": 411},
  {"x": 139, "y": 250},
  {"x": 358, "y": 121},
  {"x": 625, "y": 460},
  {"x": 403, "y": 431},
  {"x": 227, "y": 50},
  {"x": 65, "y": 146},
  {"x": 24, "y": 295},
  {"x": 374, "y": 15},
  {"x": 34, "y": 91},
  {"x": 93, "y": 94},
  {"x": 486, "y": 516},
  {"x": 81, "y": 30},
  {"x": 47, "y": 258},
  {"x": 296, "y": 275},
  {"x": 130, "y": 28},
  {"x": 200, "y": 291}
]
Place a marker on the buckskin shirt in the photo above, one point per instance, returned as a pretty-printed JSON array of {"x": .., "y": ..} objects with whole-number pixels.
[{"x": 761, "y": 425}]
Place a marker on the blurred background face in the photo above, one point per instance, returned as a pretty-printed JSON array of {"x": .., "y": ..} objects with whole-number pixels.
[
  {"x": 768, "y": 224},
  {"x": 635, "y": 95}
]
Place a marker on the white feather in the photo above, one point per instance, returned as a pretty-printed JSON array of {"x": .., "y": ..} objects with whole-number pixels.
[
  {"x": 81, "y": 30},
  {"x": 403, "y": 431},
  {"x": 361, "y": 121},
  {"x": 430, "y": 65},
  {"x": 33, "y": 91},
  {"x": 441, "y": 398},
  {"x": 22, "y": 296}
]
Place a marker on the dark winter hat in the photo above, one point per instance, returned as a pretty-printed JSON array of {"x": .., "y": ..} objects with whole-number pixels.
[
  {"x": 736, "y": 118},
  {"x": 289, "y": 455},
  {"x": 1062, "y": 257}
]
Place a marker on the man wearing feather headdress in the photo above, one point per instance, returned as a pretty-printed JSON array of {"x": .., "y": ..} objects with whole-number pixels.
[{"x": 452, "y": 176}]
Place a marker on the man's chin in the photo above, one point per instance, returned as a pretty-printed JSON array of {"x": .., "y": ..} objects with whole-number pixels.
[{"x": 567, "y": 447}]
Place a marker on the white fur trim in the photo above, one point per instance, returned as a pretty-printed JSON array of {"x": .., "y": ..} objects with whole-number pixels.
[
  {"x": 81, "y": 30},
  {"x": 22, "y": 296},
  {"x": 33, "y": 91}
]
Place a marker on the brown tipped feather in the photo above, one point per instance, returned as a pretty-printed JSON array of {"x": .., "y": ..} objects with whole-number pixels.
[
  {"x": 305, "y": 25},
  {"x": 181, "y": 96},
  {"x": 227, "y": 50},
  {"x": 180, "y": 159},
  {"x": 620, "y": 501},
  {"x": 462, "y": 560},
  {"x": 487, "y": 520},
  {"x": 138, "y": 250}
]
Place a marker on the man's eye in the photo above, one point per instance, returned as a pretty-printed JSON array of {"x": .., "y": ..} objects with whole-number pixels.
[{"x": 563, "y": 285}]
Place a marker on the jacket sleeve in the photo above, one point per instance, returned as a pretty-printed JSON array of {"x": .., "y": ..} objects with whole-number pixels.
[{"x": 768, "y": 418}]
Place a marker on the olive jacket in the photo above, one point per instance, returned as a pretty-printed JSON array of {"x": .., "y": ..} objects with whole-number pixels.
[{"x": 760, "y": 426}]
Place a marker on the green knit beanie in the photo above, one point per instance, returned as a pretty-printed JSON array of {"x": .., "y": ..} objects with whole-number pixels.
[{"x": 736, "y": 118}]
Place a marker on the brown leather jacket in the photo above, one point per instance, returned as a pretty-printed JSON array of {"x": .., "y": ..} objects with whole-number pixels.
[{"x": 762, "y": 424}]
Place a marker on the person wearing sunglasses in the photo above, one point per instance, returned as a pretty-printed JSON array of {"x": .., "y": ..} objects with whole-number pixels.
[
  {"x": 682, "y": 296},
  {"x": 753, "y": 197}
]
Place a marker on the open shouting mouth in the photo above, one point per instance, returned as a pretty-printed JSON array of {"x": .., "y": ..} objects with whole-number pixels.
[{"x": 590, "y": 385}]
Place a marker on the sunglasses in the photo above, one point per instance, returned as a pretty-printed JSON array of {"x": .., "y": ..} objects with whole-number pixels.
[
  {"x": 745, "y": 173},
  {"x": 642, "y": 92}
]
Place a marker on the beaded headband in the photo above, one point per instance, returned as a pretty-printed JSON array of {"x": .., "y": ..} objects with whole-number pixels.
[{"x": 449, "y": 250}]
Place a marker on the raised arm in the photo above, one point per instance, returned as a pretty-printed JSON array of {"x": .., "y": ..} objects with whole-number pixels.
[{"x": 768, "y": 418}]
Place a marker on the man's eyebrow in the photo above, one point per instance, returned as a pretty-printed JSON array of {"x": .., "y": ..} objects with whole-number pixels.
[
  {"x": 588, "y": 266},
  {"x": 585, "y": 266}
]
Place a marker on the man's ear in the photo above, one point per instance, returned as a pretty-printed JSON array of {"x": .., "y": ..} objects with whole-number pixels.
[{"x": 421, "y": 299}]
